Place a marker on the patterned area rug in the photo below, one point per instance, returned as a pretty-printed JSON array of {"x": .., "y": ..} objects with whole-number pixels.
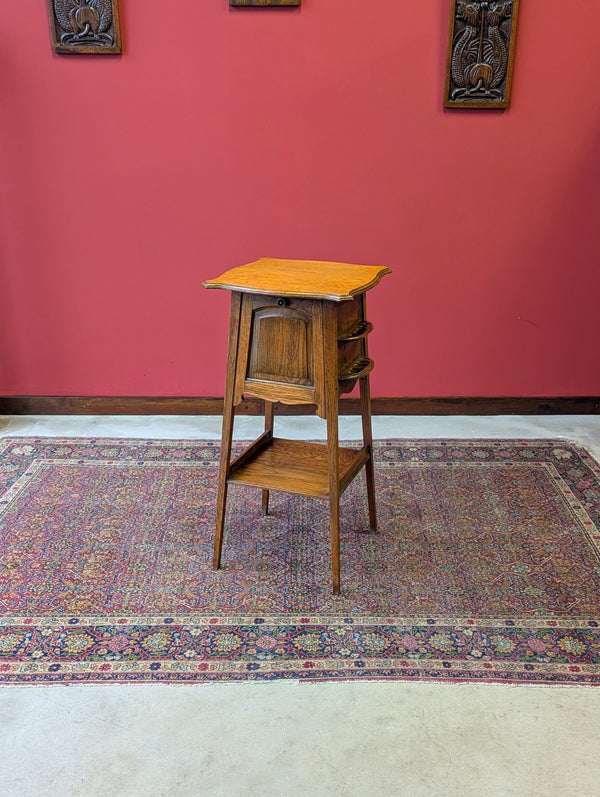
[{"x": 486, "y": 567}]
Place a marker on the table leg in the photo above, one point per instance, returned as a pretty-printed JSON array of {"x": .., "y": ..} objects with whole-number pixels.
[
  {"x": 227, "y": 432},
  {"x": 334, "y": 500},
  {"x": 365, "y": 411},
  {"x": 331, "y": 414},
  {"x": 268, "y": 428}
]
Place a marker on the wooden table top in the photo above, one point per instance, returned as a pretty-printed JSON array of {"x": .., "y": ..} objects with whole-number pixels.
[{"x": 310, "y": 279}]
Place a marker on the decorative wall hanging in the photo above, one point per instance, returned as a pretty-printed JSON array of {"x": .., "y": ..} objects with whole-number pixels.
[
  {"x": 85, "y": 26},
  {"x": 481, "y": 49},
  {"x": 264, "y": 2}
]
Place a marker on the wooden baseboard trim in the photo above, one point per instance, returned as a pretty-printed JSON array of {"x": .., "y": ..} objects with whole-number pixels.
[{"x": 149, "y": 405}]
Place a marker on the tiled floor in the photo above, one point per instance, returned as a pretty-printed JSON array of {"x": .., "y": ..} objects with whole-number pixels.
[{"x": 300, "y": 739}]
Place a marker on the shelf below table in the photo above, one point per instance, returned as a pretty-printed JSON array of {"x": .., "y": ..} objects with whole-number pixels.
[{"x": 294, "y": 466}]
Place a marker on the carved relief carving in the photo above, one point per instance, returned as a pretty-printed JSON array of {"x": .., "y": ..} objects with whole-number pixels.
[
  {"x": 264, "y": 2},
  {"x": 85, "y": 26},
  {"x": 480, "y": 53}
]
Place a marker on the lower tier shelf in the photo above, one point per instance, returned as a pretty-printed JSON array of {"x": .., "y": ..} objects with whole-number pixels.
[{"x": 294, "y": 466}]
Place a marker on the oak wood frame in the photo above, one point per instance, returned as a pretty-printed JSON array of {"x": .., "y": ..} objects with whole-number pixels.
[{"x": 270, "y": 463}]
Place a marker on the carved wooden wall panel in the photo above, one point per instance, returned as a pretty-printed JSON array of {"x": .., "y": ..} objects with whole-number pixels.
[
  {"x": 481, "y": 49},
  {"x": 264, "y": 2},
  {"x": 85, "y": 26}
]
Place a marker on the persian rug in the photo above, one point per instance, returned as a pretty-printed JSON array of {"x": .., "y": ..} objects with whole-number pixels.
[{"x": 486, "y": 567}]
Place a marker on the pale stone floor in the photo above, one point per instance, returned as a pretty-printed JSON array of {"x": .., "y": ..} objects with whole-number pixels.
[{"x": 301, "y": 739}]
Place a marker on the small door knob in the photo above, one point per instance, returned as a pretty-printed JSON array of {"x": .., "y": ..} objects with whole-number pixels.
[{"x": 281, "y": 302}]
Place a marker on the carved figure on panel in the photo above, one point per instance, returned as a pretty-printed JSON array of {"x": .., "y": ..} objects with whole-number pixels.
[
  {"x": 480, "y": 53},
  {"x": 85, "y": 25}
]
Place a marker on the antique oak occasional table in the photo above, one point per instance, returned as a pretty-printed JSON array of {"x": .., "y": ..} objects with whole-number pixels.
[{"x": 297, "y": 335}]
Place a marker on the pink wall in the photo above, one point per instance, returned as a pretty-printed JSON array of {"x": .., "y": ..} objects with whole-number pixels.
[{"x": 224, "y": 135}]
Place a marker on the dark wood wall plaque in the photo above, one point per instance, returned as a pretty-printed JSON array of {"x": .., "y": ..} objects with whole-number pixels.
[
  {"x": 264, "y": 2},
  {"x": 85, "y": 26},
  {"x": 481, "y": 48}
]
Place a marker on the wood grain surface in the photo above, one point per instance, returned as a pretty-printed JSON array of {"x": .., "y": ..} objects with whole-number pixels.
[{"x": 316, "y": 279}]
